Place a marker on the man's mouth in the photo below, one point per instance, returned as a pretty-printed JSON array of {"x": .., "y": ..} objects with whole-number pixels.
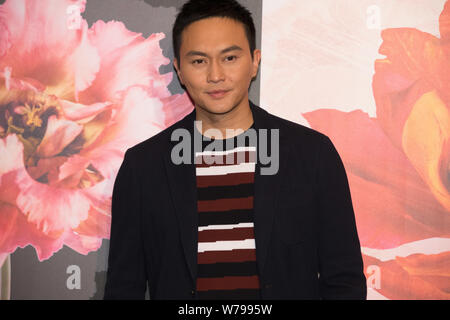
[{"x": 217, "y": 94}]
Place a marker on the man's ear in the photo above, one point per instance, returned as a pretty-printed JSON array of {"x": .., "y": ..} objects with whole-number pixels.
[
  {"x": 256, "y": 62},
  {"x": 177, "y": 69}
]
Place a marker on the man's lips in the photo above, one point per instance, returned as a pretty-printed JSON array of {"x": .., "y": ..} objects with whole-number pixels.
[{"x": 217, "y": 94}]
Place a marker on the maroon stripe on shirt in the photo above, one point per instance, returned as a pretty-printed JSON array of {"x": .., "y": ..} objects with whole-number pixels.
[
  {"x": 225, "y": 234},
  {"x": 231, "y": 179},
  {"x": 225, "y": 160},
  {"x": 228, "y": 283},
  {"x": 225, "y": 204},
  {"x": 238, "y": 255}
]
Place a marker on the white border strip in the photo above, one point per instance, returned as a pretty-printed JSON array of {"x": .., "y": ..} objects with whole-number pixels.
[{"x": 427, "y": 246}]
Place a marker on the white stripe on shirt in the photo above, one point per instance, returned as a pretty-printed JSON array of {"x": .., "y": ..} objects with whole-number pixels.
[
  {"x": 226, "y": 226},
  {"x": 223, "y": 170},
  {"x": 224, "y": 153},
  {"x": 226, "y": 245}
]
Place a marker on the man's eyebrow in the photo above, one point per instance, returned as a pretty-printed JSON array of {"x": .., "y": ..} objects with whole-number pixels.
[
  {"x": 232, "y": 48},
  {"x": 196, "y": 53},
  {"x": 202, "y": 54}
]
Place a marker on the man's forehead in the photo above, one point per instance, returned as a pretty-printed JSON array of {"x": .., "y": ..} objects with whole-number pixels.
[
  {"x": 217, "y": 26},
  {"x": 214, "y": 35}
]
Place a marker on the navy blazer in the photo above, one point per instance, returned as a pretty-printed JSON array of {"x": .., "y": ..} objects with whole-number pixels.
[{"x": 307, "y": 245}]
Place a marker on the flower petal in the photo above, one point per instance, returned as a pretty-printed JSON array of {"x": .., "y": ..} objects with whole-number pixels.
[
  {"x": 11, "y": 150},
  {"x": 387, "y": 192},
  {"x": 48, "y": 167},
  {"x": 8, "y": 222},
  {"x": 96, "y": 226},
  {"x": 133, "y": 61},
  {"x": 59, "y": 134},
  {"x": 46, "y": 225},
  {"x": 84, "y": 62},
  {"x": 400, "y": 280},
  {"x": 382, "y": 216},
  {"x": 72, "y": 166},
  {"x": 426, "y": 141},
  {"x": 78, "y": 111},
  {"x": 176, "y": 107},
  {"x": 5, "y": 42},
  {"x": 411, "y": 68},
  {"x": 15, "y": 231},
  {"x": 141, "y": 116},
  {"x": 40, "y": 40},
  {"x": 83, "y": 244},
  {"x": 444, "y": 27},
  {"x": 62, "y": 209}
]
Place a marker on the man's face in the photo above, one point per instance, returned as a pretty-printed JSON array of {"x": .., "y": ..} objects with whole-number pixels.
[{"x": 216, "y": 64}]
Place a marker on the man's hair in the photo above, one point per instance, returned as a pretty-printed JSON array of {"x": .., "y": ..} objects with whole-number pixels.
[{"x": 195, "y": 10}]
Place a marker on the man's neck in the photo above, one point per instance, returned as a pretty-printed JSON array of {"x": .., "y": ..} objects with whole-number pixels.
[{"x": 239, "y": 118}]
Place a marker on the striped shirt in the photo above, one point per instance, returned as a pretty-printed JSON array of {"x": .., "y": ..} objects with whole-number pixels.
[{"x": 226, "y": 255}]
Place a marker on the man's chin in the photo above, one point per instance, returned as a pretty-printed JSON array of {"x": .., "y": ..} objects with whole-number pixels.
[{"x": 217, "y": 110}]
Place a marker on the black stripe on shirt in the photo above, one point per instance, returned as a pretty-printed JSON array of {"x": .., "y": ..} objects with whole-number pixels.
[
  {"x": 226, "y": 192},
  {"x": 231, "y": 269},
  {"x": 225, "y": 217}
]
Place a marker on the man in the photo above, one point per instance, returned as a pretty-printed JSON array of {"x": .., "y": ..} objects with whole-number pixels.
[{"x": 192, "y": 230}]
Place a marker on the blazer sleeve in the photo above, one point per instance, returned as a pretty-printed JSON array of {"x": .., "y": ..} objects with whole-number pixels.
[
  {"x": 126, "y": 277},
  {"x": 341, "y": 272}
]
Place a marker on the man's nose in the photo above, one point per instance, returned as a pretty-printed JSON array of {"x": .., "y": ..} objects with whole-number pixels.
[{"x": 215, "y": 72}]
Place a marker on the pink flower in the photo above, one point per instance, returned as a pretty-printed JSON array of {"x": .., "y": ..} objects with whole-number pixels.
[{"x": 72, "y": 100}]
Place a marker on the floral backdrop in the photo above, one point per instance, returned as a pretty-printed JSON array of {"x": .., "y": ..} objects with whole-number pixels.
[
  {"x": 375, "y": 77},
  {"x": 77, "y": 89},
  {"x": 80, "y": 82},
  {"x": 73, "y": 98}
]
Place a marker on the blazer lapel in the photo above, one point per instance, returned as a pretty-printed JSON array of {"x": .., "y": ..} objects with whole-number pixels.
[
  {"x": 182, "y": 183},
  {"x": 183, "y": 186},
  {"x": 266, "y": 188}
]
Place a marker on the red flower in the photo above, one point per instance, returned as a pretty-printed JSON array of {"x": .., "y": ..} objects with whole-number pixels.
[{"x": 398, "y": 163}]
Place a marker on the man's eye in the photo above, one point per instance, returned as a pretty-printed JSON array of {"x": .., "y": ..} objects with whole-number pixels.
[
  {"x": 230, "y": 58},
  {"x": 198, "y": 61}
]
